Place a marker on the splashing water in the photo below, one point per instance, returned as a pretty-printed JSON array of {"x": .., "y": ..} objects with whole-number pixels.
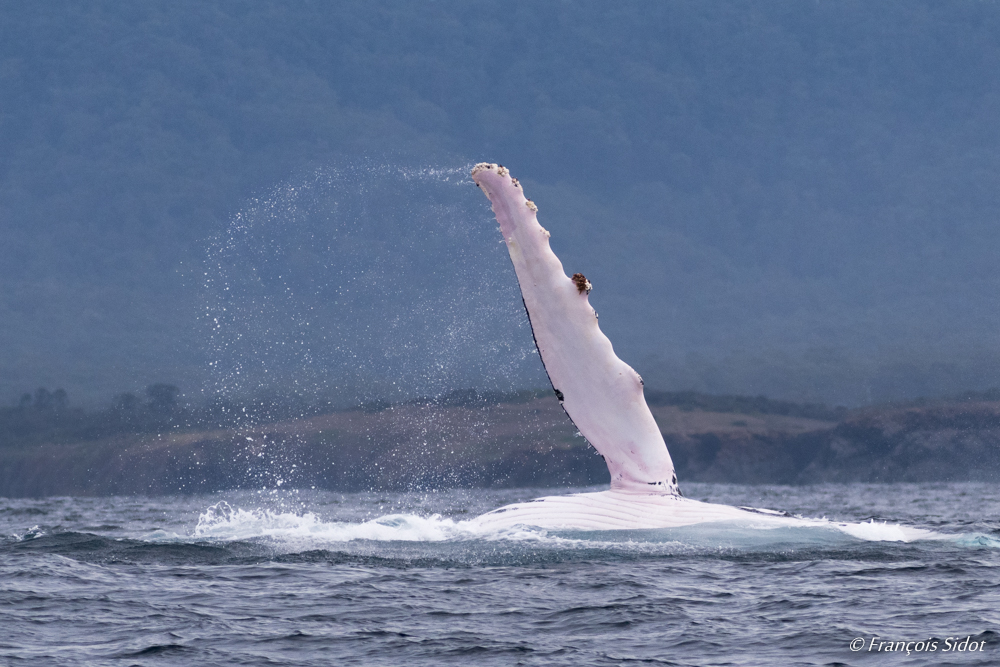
[
  {"x": 299, "y": 531},
  {"x": 222, "y": 522},
  {"x": 358, "y": 284},
  {"x": 365, "y": 282}
]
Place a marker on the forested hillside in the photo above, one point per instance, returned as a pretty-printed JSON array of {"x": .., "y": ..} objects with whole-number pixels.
[{"x": 467, "y": 439}]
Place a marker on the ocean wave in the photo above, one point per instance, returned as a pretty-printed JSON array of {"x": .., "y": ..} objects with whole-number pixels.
[
  {"x": 223, "y": 522},
  {"x": 30, "y": 534}
]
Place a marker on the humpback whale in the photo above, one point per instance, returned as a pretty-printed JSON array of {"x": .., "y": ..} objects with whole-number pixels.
[{"x": 601, "y": 394}]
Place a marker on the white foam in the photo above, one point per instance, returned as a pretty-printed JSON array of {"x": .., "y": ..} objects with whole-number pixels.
[
  {"x": 221, "y": 522},
  {"x": 30, "y": 534},
  {"x": 289, "y": 531},
  {"x": 886, "y": 532},
  {"x": 977, "y": 540}
]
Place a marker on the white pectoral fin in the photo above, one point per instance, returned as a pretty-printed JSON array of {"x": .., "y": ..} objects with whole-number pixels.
[{"x": 600, "y": 393}]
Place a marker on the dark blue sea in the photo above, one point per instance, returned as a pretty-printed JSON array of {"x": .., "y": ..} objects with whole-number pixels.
[{"x": 318, "y": 578}]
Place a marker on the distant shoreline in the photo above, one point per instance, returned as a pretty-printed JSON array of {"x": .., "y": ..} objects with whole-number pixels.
[{"x": 470, "y": 441}]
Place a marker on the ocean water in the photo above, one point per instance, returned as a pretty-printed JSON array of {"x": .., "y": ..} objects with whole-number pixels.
[{"x": 317, "y": 578}]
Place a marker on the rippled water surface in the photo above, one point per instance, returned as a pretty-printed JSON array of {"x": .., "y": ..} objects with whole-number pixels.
[{"x": 311, "y": 578}]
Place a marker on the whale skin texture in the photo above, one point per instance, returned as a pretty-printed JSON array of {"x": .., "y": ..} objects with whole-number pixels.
[{"x": 601, "y": 393}]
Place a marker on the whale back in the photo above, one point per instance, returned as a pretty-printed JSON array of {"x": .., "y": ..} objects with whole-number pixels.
[{"x": 601, "y": 393}]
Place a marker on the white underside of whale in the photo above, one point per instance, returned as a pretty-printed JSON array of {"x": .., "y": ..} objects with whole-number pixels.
[
  {"x": 618, "y": 510},
  {"x": 600, "y": 393}
]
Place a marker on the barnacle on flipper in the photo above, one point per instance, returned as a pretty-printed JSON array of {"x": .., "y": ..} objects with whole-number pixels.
[{"x": 530, "y": 204}]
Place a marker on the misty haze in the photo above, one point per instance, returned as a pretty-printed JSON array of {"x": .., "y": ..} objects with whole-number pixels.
[{"x": 794, "y": 200}]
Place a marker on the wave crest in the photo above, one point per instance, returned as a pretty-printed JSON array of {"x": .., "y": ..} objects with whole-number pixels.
[{"x": 222, "y": 522}]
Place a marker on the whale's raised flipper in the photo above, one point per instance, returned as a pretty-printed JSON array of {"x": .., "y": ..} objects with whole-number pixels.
[{"x": 600, "y": 392}]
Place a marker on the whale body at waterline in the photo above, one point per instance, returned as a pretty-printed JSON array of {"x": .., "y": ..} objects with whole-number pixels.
[{"x": 600, "y": 393}]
